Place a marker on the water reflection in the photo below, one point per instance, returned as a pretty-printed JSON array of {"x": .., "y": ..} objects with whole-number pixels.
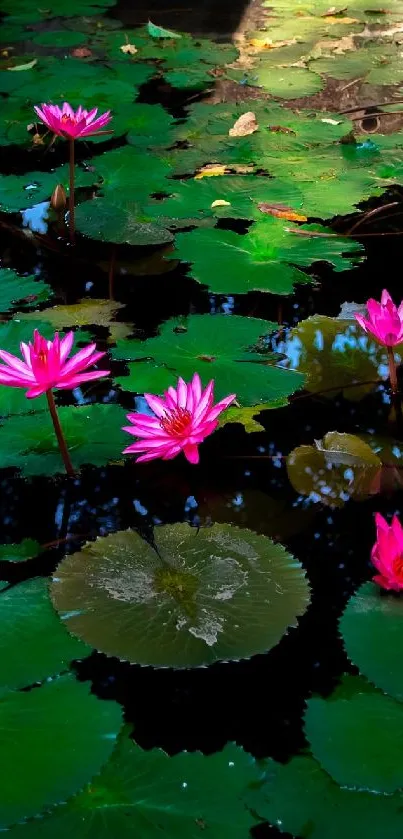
[{"x": 36, "y": 217}]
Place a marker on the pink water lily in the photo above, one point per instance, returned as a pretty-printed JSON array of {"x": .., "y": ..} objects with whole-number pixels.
[
  {"x": 387, "y": 553},
  {"x": 46, "y": 365},
  {"x": 183, "y": 418},
  {"x": 385, "y": 320},
  {"x": 67, "y": 123}
]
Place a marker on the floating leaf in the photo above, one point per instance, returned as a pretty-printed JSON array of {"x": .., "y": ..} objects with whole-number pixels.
[
  {"x": 59, "y": 38},
  {"x": 339, "y": 467},
  {"x": 301, "y": 799},
  {"x": 26, "y": 291},
  {"x": 279, "y": 211},
  {"x": 267, "y": 258},
  {"x": 18, "y": 192},
  {"x": 24, "y": 550},
  {"x": 218, "y": 347},
  {"x": 371, "y": 627},
  {"x": 152, "y": 795},
  {"x": 93, "y": 434},
  {"x": 34, "y": 643},
  {"x": 27, "y": 66},
  {"x": 287, "y": 83},
  {"x": 346, "y": 742},
  {"x": 87, "y": 312},
  {"x": 247, "y": 416},
  {"x": 109, "y": 222},
  {"x": 126, "y": 170},
  {"x": 218, "y": 594},
  {"x": 159, "y": 32},
  {"x": 34, "y": 774}
]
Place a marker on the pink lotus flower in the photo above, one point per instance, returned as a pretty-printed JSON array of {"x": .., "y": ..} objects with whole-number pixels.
[
  {"x": 46, "y": 366},
  {"x": 184, "y": 417},
  {"x": 385, "y": 320},
  {"x": 72, "y": 124},
  {"x": 387, "y": 554}
]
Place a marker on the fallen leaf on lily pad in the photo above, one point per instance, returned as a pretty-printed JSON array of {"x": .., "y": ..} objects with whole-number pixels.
[
  {"x": 27, "y": 66},
  {"x": 278, "y": 211},
  {"x": 128, "y": 49},
  {"x": 246, "y": 124},
  {"x": 81, "y": 52},
  {"x": 334, "y": 20},
  {"x": 220, "y": 203},
  {"x": 83, "y": 313},
  {"x": 160, "y": 32},
  {"x": 248, "y": 416},
  {"x": 211, "y": 170}
]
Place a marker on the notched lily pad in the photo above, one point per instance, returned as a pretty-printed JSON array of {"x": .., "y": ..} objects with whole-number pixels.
[{"x": 217, "y": 595}]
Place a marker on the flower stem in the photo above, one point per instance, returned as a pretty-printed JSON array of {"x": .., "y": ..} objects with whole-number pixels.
[
  {"x": 71, "y": 192},
  {"x": 392, "y": 370},
  {"x": 111, "y": 274},
  {"x": 59, "y": 434}
]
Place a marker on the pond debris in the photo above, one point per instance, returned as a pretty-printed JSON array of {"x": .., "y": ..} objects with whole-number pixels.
[{"x": 246, "y": 124}]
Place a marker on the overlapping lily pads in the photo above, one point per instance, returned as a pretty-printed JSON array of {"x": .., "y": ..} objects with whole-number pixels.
[
  {"x": 218, "y": 594},
  {"x": 357, "y": 735},
  {"x": 34, "y": 774},
  {"x": 301, "y": 799},
  {"x": 150, "y": 794},
  {"x": 218, "y": 347},
  {"x": 371, "y": 631},
  {"x": 34, "y": 643}
]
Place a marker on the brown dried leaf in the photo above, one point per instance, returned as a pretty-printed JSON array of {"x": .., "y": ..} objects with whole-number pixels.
[
  {"x": 210, "y": 170},
  {"x": 279, "y": 211},
  {"x": 246, "y": 124},
  {"x": 81, "y": 52}
]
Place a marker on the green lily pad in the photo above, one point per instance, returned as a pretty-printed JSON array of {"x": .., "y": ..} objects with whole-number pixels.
[
  {"x": 147, "y": 126},
  {"x": 145, "y": 377},
  {"x": 335, "y": 469},
  {"x": 336, "y": 356},
  {"x": 267, "y": 258},
  {"x": 160, "y": 32},
  {"x": 59, "y": 38},
  {"x": 218, "y": 347},
  {"x": 216, "y": 595},
  {"x": 148, "y": 794},
  {"x": 301, "y": 799},
  {"x": 87, "y": 311},
  {"x": 131, "y": 174},
  {"x": 356, "y": 734},
  {"x": 287, "y": 82},
  {"x": 26, "y": 291},
  {"x": 24, "y": 10},
  {"x": 34, "y": 643},
  {"x": 29, "y": 442},
  {"x": 20, "y": 552},
  {"x": 18, "y": 192},
  {"x": 109, "y": 222},
  {"x": 371, "y": 630},
  {"x": 241, "y": 193},
  {"x": 34, "y": 774}
]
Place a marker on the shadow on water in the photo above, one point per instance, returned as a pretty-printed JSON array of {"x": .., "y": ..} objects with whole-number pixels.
[{"x": 206, "y": 19}]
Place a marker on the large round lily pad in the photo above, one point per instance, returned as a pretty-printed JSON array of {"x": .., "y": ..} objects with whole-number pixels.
[
  {"x": 54, "y": 739},
  {"x": 357, "y": 736},
  {"x": 34, "y": 643},
  {"x": 150, "y": 795},
  {"x": 215, "y": 595},
  {"x": 371, "y": 627},
  {"x": 107, "y": 221},
  {"x": 301, "y": 799}
]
